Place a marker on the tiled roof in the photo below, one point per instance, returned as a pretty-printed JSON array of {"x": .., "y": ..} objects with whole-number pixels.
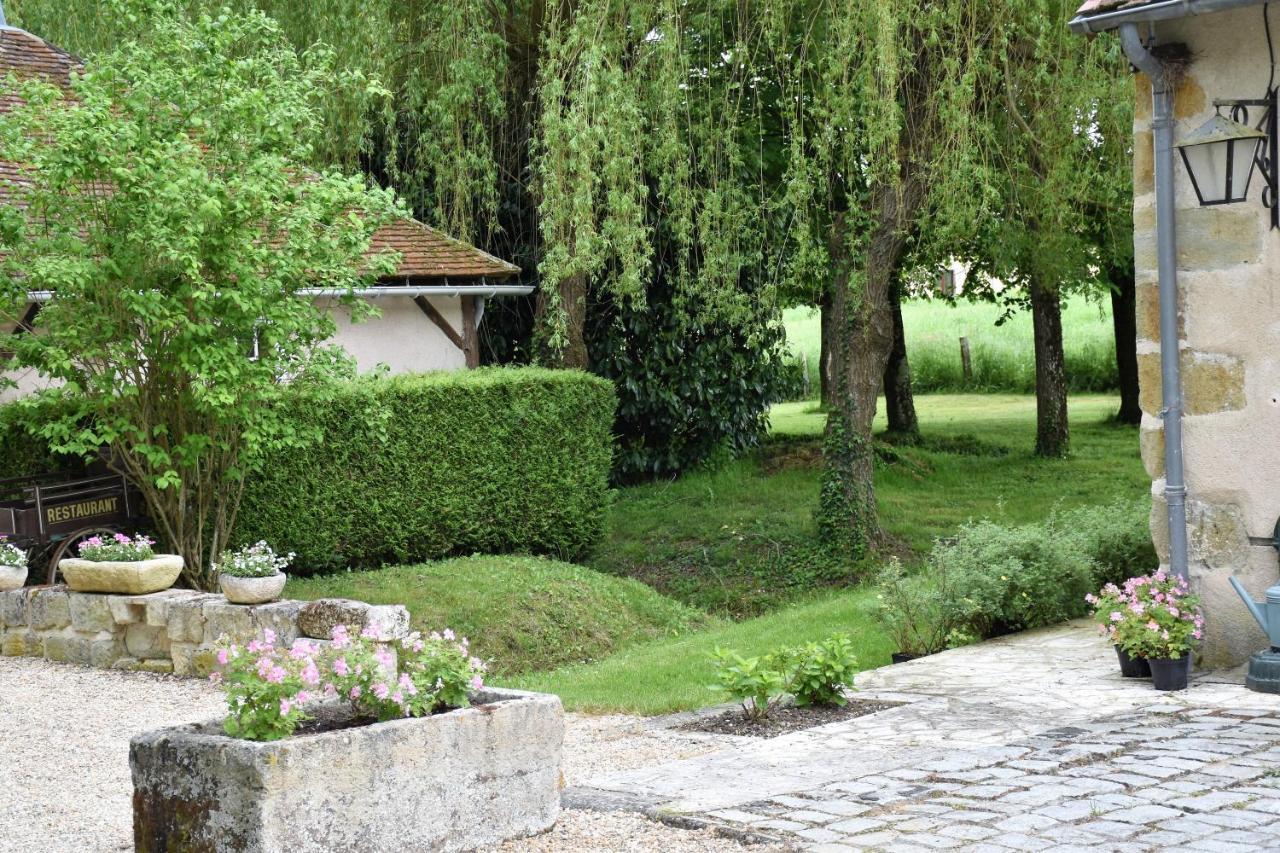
[{"x": 425, "y": 252}]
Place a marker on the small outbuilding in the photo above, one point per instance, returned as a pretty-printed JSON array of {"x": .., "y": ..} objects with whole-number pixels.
[
  {"x": 1207, "y": 256},
  {"x": 431, "y": 307}
]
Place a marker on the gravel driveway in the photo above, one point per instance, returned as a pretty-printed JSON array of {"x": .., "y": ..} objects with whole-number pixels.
[{"x": 65, "y": 764}]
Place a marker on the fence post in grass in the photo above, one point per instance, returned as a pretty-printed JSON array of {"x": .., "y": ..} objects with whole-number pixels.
[
  {"x": 966, "y": 363},
  {"x": 804, "y": 371}
]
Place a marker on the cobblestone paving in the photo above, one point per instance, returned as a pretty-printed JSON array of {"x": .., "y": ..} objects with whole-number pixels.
[{"x": 1029, "y": 743}]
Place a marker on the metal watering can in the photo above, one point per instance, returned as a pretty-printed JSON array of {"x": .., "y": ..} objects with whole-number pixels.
[{"x": 1264, "y": 666}]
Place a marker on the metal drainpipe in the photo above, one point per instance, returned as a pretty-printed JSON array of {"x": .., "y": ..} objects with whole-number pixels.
[{"x": 1175, "y": 486}]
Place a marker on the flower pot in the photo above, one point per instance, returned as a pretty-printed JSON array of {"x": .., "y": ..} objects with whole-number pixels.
[
  {"x": 903, "y": 657},
  {"x": 252, "y": 590},
  {"x": 1170, "y": 673},
  {"x": 1131, "y": 667},
  {"x": 462, "y": 780},
  {"x": 12, "y": 577},
  {"x": 133, "y": 577}
]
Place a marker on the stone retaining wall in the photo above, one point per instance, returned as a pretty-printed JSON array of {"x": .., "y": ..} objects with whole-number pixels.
[{"x": 171, "y": 631}]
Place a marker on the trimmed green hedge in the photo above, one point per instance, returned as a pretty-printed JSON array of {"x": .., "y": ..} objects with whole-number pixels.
[
  {"x": 417, "y": 467},
  {"x": 422, "y": 466}
]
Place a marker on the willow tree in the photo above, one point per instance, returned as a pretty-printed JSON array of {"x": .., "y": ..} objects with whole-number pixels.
[{"x": 1062, "y": 128}]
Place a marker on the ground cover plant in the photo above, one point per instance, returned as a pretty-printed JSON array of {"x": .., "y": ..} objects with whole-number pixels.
[
  {"x": 1003, "y": 357},
  {"x": 524, "y": 613}
]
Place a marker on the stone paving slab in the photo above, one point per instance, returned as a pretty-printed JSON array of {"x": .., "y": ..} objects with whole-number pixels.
[{"x": 1031, "y": 742}]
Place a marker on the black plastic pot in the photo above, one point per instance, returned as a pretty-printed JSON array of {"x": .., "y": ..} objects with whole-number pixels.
[
  {"x": 1170, "y": 673},
  {"x": 1132, "y": 667},
  {"x": 903, "y": 657}
]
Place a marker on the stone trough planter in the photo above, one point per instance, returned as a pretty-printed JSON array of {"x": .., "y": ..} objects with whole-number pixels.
[
  {"x": 131, "y": 577},
  {"x": 252, "y": 590},
  {"x": 461, "y": 780}
]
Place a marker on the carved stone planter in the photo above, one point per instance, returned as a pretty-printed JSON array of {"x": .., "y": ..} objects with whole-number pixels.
[
  {"x": 252, "y": 590},
  {"x": 462, "y": 780},
  {"x": 12, "y": 577},
  {"x": 135, "y": 577}
]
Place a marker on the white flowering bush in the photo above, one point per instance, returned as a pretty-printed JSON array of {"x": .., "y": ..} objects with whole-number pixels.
[
  {"x": 252, "y": 561},
  {"x": 268, "y": 688},
  {"x": 12, "y": 555},
  {"x": 117, "y": 549}
]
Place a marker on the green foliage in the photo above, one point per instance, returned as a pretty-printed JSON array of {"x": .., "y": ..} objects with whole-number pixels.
[
  {"x": 170, "y": 212},
  {"x": 1006, "y": 579},
  {"x": 418, "y": 467},
  {"x": 523, "y": 613},
  {"x": 913, "y": 609},
  {"x": 818, "y": 672},
  {"x": 687, "y": 389},
  {"x": 1115, "y": 536},
  {"x": 846, "y": 513},
  {"x": 812, "y": 674},
  {"x": 756, "y": 682}
]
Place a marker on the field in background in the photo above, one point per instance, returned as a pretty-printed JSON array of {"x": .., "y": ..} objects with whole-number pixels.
[{"x": 1003, "y": 356}]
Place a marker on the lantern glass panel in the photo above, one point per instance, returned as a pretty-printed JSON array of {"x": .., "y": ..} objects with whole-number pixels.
[{"x": 1211, "y": 163}]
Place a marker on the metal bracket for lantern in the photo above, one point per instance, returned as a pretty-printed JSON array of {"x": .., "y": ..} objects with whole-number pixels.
[{"x": 1237, "y": 136}]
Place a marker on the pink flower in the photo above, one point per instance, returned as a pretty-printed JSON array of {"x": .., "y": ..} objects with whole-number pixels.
[
  {"x": 310, "y": 674},
  {"x": 303, "y": 697},
  {"x": 1153, "y": 625},
  {"x": 381, "y": 690},
  {"x": 285, "y": 707},
  {"x": 223, "y": 657},
  {"x": 340, "y": 666},
  {"x": 276, "y": 675},
  {"x": 1173, "y": 611},
  {"x": 341, "y": 639},
  {"x": 121, "y": 538},
  {"x": 1197, "y": 633},
  {"x": 476, "y": 682},
  {"x": 384, "y": 656},
  {"x": 447, "y": 633},
  {"x": 397, "y": 697},
  {"x": 215, "y": 678},
  {"x": 269, "y": 636},
  {"x": 264, "y": 666},
  {"x": 1116, "y": 615},
  {"x": 355, "y": 692}
]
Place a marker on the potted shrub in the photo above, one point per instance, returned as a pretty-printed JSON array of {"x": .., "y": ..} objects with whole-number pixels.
[
  {"x": 912, "y": 611},
  {"x": 352, "y": 745},
  {"x": 1109, "y": 608},
  {"x": 1161, "y": 623},
  {"x": 120, "y": 564},
  {"x": 13, "y": 566},
  {"x": 252, "y": 575}
]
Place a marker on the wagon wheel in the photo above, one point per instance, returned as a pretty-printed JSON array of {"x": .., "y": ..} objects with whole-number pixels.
[{"x": 66, "y": 544}]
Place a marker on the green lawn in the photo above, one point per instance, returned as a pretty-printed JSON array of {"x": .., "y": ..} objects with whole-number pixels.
[
  {"x": 739, "y": 540},
  {"x": 672, "y": 675},
  {"x": 1003, "y": 356},
  {"x": 523, "y": 613}
]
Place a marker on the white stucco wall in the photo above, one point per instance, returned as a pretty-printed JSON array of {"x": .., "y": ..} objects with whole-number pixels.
[
  {"x": 403, "y": 337},
  {"x": 1229, "y": 288}
]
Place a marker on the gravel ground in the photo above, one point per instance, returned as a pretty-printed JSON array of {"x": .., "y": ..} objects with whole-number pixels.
[{"x": 64, "y": 760}]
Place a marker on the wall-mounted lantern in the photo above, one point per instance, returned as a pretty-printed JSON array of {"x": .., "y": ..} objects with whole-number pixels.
[{"x": 1221, "y": 154}]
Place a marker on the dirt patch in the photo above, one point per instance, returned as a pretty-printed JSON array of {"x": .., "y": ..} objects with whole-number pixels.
[{"x": 785, "y": 720}]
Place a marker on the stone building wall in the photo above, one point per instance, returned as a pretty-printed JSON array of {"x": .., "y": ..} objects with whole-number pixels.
[
  {"x": 1229, "y": 322},
  {"x": 171, "y": 631}
]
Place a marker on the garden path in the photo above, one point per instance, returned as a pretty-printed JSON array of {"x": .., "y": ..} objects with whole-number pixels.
[{"x": 1030, "y": 742}]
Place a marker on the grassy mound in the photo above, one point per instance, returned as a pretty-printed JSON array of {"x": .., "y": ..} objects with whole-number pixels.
[{"x": 523, "y": 613}]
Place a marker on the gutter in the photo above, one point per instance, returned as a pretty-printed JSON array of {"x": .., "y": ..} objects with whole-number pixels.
[
  {"x": 1164, "y": 10},
  {"x": 483, "y": 291},
  {"x": 1175, "y": 486}
]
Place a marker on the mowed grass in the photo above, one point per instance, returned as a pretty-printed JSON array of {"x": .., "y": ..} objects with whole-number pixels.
[
  {"x": 739, "y": 541},
  {"x": 1003, "y": 356},
  {"x": 523, "y": 613},
  {"x": 674, "y": 675}
]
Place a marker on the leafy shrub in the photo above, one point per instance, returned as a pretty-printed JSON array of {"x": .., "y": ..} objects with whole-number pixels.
[
  {"x": 816, "y": 673},
  {"x": 913, "y": 609},
  {"x": 1115, "y": 537},
  {"x": 418, "y": 467},
  {"x": 756, "y": 683},
  {"x": 1005, "y": 579},
  {"x": 691, "y": 386},
  {"x": 813, "y": 674}
]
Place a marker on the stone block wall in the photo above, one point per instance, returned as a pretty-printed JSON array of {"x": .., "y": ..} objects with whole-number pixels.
[
  {"x": 1229, "y": 339},
  {"x": 171, "y": 631}
]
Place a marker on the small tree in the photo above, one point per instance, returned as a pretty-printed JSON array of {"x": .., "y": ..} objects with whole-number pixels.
[{"x": 170, "y": 212}]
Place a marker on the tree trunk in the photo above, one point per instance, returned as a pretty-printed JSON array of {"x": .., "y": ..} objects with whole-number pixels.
[
  {"x": 899, "y": 402},
  {"x": 824, "y": 355},
  {"x": 1124, "y": 320},
  {"x": 1052, "y": 432},
  {"x": 573, "y": 302},
  {"x": 862, "y": 326}
]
